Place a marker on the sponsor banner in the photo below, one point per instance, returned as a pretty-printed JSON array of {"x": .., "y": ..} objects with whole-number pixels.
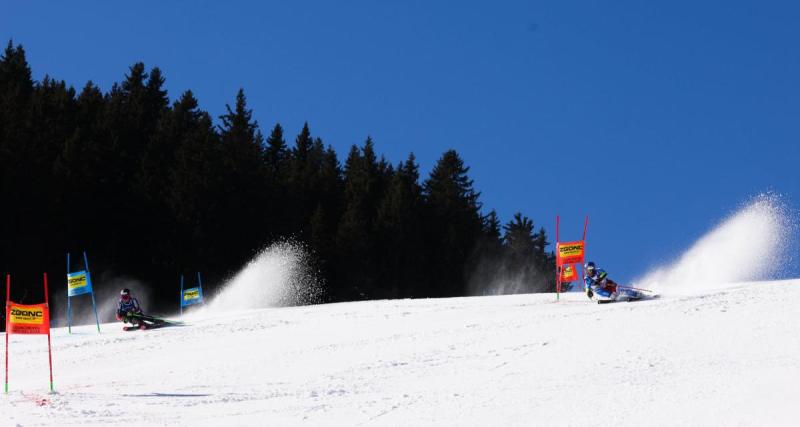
[
  {"x": 569, "y": 274},
  {"x": 78, "y": 283},
  {"x": 28, "y": 319},
  {"x": 192, "y": 296},
  {"x": 570, "y": 252}
]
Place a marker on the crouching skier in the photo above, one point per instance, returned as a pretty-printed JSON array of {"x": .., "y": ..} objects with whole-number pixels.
[
  {"x": 602, "y": 289},
  {"x": 128, "y": 310}
]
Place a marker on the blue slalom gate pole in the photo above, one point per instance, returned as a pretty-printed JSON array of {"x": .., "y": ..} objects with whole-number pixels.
[
  {"x": 96, "y": 319},
  {"x": 94, "y": 305},
  {"x": 180, "y": 302},
  {"x": 69, "y": 306},
  {"x": 200, "y": 285}
]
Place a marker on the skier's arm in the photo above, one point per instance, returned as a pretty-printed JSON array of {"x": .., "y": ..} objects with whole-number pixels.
[
  {"x": 602, "y": 278},
  {"x": 119, "y": 310},
  {"x": 588, "y": 282}
]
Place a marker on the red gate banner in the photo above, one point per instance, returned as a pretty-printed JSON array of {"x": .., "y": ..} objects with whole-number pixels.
[
  {"x": 569, "y": 257},
  {"x": 28, "y": 319},
  {"x": 568, "y": 274},
  {"x": 570, "y": 252}
]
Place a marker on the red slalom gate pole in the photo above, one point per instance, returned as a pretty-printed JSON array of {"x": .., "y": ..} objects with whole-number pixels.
[
  {"x": 558, "y": 221},
  {"x": 585, "y": 226},
  {"x": 8, "y": 298},
  {"x": 49, "y": 350},
  {"x": 583, "y": 269},
  {"x": 558, "y": 264}
]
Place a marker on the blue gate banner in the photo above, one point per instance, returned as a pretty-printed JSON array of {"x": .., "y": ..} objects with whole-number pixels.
[
  {"x": 78, "y": 283},
  {"x": 191, "y": 296}
]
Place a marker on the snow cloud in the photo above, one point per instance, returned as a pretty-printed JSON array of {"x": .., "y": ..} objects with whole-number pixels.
[
  {"x": 281, "y": 275},
  {"x": 752, "y": 244}
]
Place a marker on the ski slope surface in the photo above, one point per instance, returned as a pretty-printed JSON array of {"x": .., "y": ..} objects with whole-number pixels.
[{"x": 727, "y": 356}]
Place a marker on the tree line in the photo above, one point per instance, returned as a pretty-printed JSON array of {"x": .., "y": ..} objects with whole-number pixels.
[{"x": 151, "y": 188}]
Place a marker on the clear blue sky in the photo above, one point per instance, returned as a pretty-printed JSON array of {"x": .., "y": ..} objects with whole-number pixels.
[{"x": 655, "y": 120}]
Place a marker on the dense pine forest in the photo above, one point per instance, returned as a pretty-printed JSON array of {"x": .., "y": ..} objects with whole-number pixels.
[{"x": 152, "y": 188}]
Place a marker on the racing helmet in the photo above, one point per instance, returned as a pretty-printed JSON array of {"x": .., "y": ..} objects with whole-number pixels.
[{"x": 590, "y": 268}]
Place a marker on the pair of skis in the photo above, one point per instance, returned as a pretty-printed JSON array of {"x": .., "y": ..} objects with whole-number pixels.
[
  {"x": 641, "y": 294},
  {"x": 150, "y": 322}
]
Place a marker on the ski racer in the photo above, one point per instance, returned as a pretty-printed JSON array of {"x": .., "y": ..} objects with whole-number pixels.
[
  {"x": 128, "y": 307},
  {"x": 602, "y": 289}
]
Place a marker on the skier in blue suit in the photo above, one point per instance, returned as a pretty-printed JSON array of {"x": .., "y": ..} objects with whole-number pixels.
[
  {"x": 128, "y": 305},
  {"x": 602, "y": 289}
]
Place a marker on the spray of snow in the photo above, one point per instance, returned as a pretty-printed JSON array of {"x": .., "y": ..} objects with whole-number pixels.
[
  {"x": 752, "y": 244},
  {"x": 281, "y": 275}
]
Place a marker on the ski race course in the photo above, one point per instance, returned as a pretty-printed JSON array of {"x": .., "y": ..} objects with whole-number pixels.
[
  {"x": 721, "y": 357},
  {"x": 721, "y": 346}
]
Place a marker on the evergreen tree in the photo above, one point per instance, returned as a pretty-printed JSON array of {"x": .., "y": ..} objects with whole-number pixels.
[
  {"x": 52, "y": 121},
  {"x": 244, "y": 180},
  {"x": 131, "y": 117},
  {"x": 330, "y": 183},
  {"x": 364, "y": 186},
  {"x": 352, "y": 236},
  {"x": 491, "y": 227},
  {"x": 324, "y": 223},
  {"x": 519, "y": 237},
  {"x": 545, "y": 262},
  {"x": 196, "y": 189},
  {"x": 398, "y": 229},
  {"x": 487, "y": 264},
  {"x": 300, "y": 182},
  {"x": 526, "y": 256},
  {"x": 16, "y": 90},
  {"x": 85, "y": 186},
  {"x": 275, "y": 156},
  {"x": 453, "y": 226}
]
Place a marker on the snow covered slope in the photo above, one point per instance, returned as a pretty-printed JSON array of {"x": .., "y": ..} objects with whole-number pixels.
[{"x": 730, "y": 356}]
